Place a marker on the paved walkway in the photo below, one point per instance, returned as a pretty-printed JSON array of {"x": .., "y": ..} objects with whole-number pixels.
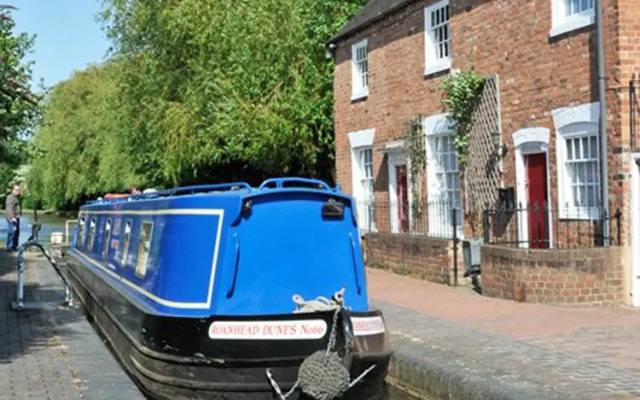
[
  {"x": 54, "y": 354},
  {"x": 456, "y": 344}
]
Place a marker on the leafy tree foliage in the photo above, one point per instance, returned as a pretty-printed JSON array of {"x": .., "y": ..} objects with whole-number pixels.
[
  {"x": 79, "y": 143},
  {"x": 203, "y": 91},
  {"x": 18, "y": 106}
]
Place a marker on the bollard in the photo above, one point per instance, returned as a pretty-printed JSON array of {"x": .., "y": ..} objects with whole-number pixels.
[
  {"x": 19, "y": 304},
  {"x": 20, "y": 289}
]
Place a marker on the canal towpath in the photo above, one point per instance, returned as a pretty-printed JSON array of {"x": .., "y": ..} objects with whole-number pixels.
[
  {"x": 456, "y": 344},
  {"x": 52, "y": 353}
]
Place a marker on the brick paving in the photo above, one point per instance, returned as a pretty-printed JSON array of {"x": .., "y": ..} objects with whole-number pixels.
[
  {"x": 53, "y": 354},
  {"x": 502, "y": 349}
]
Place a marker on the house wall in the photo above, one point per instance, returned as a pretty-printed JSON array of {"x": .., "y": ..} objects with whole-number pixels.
[
  {"x": 537, "y": 75},
  {"x": 593, "y": 277}
]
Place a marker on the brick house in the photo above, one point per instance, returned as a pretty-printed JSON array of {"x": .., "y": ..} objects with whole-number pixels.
[{"x": 542, "y": 116}]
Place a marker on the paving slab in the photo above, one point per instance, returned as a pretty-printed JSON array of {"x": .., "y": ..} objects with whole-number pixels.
[
  {"x": 52, "y": 354},
  {"x": 456, "y": 344}
]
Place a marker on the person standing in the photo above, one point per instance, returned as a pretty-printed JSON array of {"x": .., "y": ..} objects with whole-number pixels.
[{"x": 12, "y": 215}]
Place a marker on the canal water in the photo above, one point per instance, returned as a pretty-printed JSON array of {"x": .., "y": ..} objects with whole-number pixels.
[
  {"x": 52, "y": 223},
  {"x": 49, "y": 223}
]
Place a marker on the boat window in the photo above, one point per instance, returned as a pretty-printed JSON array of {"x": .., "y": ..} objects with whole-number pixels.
[
  {"x": 144, "y": 247},
  {"x": 125, "y": 240},
  {"x": 107, "y": 239},
  {"x": 92, "y": 232},
  {"x": 80, "y": 238}
]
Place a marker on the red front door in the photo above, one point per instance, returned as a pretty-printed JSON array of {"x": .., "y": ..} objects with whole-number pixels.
[
  {"x": 537, "y": 200},
  {"x": 403, "y": 198}
]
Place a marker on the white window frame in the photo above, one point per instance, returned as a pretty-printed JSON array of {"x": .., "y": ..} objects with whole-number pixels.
[
  {"x": 367, "y": 202},
  {"x": 361, "y": 141},
  {"x": 80, "y": 239},
  {"x": 436, "y": 127},
  {"x": 126, "y": 239},
  {"x": 562, "y": 24},
  {"x": 575, "y": 122},
  {"x": 107, "y": 239},
  {"x": 144, "y": 250},
  {"x": 92, "y": 233},
  {"x": 359, "y": 89},
  {"x": 432, "y": 63}
]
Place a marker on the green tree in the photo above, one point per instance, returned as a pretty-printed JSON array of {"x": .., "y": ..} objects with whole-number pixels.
[
  {"x": 212, "y": 84},
  {"x": 195, "y": 91},
  {"x": 18, "y": 105},
  {"x": 78, "y": 144}
]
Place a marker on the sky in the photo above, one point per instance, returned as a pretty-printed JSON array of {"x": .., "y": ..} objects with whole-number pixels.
[{"x": 68, "y": 37}]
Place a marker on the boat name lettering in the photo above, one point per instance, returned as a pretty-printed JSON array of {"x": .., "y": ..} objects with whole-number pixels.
[
  {"x": 274, "y": 330},
  {"x": 364, "y": 326}
]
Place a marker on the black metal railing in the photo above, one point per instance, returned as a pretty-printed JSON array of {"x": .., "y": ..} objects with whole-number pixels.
[
  {"x": 634, "y": 113},
  {"x": 544, "y": 227},
  {"x": 433, "y": 218},
  {"x": 436, "y": 219}
]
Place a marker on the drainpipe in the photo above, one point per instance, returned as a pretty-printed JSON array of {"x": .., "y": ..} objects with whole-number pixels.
[{"x": 604, "y": 176}]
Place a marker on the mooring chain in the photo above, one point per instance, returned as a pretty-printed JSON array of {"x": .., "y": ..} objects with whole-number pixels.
[
  {"x": 332, "y": 336},
  {"x": 323, "y": 375}
]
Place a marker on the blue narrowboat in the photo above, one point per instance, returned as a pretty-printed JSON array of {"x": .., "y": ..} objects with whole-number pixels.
[{"x": 230, "y": 291}]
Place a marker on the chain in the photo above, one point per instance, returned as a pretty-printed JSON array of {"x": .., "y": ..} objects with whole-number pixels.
[
  {"x": 319, "y": 304},
  {"x": 332, "y": 336}
]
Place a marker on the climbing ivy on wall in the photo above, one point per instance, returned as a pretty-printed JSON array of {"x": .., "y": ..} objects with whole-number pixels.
[
  {"x": 415, "y": 152},
  {"x": 462, "y": 92}
]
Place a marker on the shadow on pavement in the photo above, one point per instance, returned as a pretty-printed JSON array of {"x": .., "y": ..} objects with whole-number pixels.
[{"x": 26, "y": 331}]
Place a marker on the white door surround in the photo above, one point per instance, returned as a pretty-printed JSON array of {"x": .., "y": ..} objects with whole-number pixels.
[
  {"x": 396, "y": 158},
  {"x": 529, "y": 141},
  {"x": 635, "y": 230}
]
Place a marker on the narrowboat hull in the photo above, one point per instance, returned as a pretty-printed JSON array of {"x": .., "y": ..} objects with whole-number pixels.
[{"x": 177, "y": 358}]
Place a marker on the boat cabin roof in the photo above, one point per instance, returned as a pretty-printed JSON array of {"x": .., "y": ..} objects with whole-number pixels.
[{"x": 233, "y": 189}]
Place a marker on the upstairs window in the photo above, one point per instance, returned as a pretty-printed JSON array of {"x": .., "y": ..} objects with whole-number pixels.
[
  {"x": 569, "y": 15},
  {"x": 144, "y": 247},
  {"x": 438, "y": 37},
  {"x": 360, "y": 71}
]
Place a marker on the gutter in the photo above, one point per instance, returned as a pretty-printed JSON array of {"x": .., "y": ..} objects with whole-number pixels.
[
  {"x": 604, "y": 175},
  {"x": 340, "y": 35}
]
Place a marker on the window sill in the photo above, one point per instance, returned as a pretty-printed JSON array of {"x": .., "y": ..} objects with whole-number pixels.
[
  {"x": 580, "y": 214},
  {"x": 440, "y": 66},
  {"x": 577, "y": 22},
  {"x": 360, "y": 95}
]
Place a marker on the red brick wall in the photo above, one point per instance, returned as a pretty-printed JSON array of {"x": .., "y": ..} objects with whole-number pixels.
[
  {"x": 418, "y": 256},
  {"x": 565, "y": 277},
  {"x": 537, "y": 74}
]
